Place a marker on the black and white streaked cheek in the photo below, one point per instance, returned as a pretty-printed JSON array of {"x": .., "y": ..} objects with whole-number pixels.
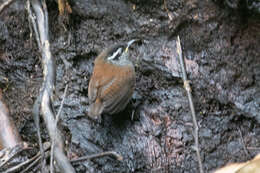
[{"x": 116, "y": 54}]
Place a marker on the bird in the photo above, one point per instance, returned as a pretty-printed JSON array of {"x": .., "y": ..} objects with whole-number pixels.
[{"x": 112, "y": 82}]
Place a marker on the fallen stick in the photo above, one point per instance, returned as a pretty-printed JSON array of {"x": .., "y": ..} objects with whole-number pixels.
[
  {"x": 188, "y": 90},
  {"x": 5, "y": 4},
  {"x": 108, "y": 153},
  {"x": 7, "y": 154},
  {"x": 46, "y": 92},
  {"x": 56, "y": 123},
  {"x": 34, "y": 159}
]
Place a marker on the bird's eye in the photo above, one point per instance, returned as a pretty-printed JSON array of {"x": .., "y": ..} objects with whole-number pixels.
[{"x": 115, "y": 54}]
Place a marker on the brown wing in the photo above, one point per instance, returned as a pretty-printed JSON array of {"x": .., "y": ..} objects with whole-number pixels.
[
  {"x": 98, "y": 79},
  {"x": 110, "y": 87},
  {"x": 121, "y": 100},
  {"x": 116, "y": 96}
]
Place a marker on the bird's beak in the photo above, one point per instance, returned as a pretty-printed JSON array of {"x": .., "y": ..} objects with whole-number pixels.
[{"x": 129, "y": 44}]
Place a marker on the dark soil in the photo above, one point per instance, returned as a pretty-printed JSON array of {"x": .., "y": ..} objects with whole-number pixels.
[{"x": 221, "y": 46}]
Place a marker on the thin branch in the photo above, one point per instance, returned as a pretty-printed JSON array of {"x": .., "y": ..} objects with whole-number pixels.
[
  {"x": 32, "y": 17},
  {"x": 56, "y": 123},
  {"x": 108, "y": 153},
  {"x": 188, "y": 90},
  {"x": 19, "y": 166},
  {"x": 46, "y": 92},
  {"x": 34, "y": 160},
  {"x": 5, "y": 4},
  {"x": 36, "y": 106},
  {"x": 8, "y": 154}
]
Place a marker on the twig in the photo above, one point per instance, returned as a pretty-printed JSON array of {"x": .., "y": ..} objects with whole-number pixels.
[
  {"x": 32, "y": 17},
  {"x": 108, "y": 153},
  {"x": 188, "y": 90},
  {"x": 31, "y": 21},
  {"x": 46, "y": 92},
  {"x": 36, "y": 106},
  {"x": 34, "y": 162},
  {"x": 5, "y": 4},
  {"x": 17, "y": 167},
  {"x": 56, "y": 123},
  {"x": 9, "y": 153}
]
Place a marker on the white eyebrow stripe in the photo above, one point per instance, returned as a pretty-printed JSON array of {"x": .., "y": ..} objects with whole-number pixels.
[
  {"x": 130, "y": 42},
  {"x": 115, "y": 54}
]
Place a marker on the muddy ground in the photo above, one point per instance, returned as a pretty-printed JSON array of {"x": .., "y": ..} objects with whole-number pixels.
[{"x": 221, "y": 46}]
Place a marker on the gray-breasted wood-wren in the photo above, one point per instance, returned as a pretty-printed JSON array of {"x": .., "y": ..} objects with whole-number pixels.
[{"x": 112, "y": 82}]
